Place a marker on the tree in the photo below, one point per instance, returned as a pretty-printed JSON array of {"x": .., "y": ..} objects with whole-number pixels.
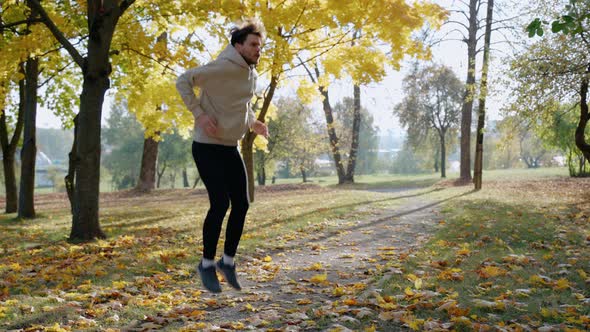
[
  {"x": 145, "y": 80},
  {"x": 531, "y": 148},
  {"x": 306, "y": 147},
  {"x": 467, "y": 109},
  {"x": 292, "y": 29},
  {"x": 123, "y": 137},
  {"x": 29, "y": 46},
  {"x": 173, "y": 156},
  {"x": 365, "y": 60},
  {"x": 432, "y": 101},
  {"x": 102, "y": 18},
  {"x": 280, "y": 130},
  {"x": 551, "y": 72},
  {"x": 11, "y": 70},
  {"x": 574, "y": 23},
  {"x": 299, "y": 30},
  {"x": 478, "y": 168},
  {"x": 558, "y": 134},
  {"x": 466, "y": 23},
  {"x": 26, "y": 199},
  {"x": 9, "y": 146},
  {"x": 368, "y": 141}
]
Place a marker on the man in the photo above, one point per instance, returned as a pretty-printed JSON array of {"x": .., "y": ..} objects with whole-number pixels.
[{"x": 222, "y": 116}]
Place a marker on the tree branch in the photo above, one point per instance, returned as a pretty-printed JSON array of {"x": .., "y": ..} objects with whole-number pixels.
[
  {"x": 166, "y": 66},
  {"x": 457, "y": 22},
  {"x": 57, "y": 33},
  {"x": 57, "y": 72},
  {"x": 13, "y": 24},
  {"x": 125, "y": 4},
  {"x": 307, "y": 69}
]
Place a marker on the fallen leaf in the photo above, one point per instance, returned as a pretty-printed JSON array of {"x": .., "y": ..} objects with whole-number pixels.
[{"x": 318, "y": 278}]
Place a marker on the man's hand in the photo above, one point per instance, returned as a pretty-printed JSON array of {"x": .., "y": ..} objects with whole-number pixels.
[
  {"x": 260, "y": 128},
  {"x": 208, "y": 124}
]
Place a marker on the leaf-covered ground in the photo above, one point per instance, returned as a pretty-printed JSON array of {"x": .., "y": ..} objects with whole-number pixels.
[{"x": 513, "y": 257}]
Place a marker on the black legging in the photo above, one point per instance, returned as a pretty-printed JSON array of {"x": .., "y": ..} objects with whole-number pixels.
[{"x": 222, "y": 170}]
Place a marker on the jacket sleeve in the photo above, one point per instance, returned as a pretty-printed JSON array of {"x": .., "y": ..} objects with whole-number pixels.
[{"x": 186, "y": 83}]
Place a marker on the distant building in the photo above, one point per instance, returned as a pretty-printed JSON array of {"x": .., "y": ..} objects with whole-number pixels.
[{"x": 42, "y": 164}]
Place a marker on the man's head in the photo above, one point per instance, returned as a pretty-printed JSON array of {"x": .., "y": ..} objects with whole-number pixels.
[{"x": 247, "y": 40}]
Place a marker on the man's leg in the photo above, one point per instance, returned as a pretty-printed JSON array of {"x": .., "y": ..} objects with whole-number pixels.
[
  {"x": 238, "y": 195},
  {"x": 237, "y": 185},
  {"x": 209, "y": 161}
]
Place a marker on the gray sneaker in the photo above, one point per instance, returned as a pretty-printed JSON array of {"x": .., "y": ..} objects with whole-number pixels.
[
  {"x": 229, "y": 273},
  {"x": 209, "y": 278}
]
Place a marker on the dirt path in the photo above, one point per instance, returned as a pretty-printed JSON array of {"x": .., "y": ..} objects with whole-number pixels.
[{"x": 318, "y": 281}]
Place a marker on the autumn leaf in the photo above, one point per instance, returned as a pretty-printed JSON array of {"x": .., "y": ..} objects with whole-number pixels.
[
  {"x": 304, "y": 301},
  {"x": 464, "y": 251},
  {"x": 318, "y": 278},
  {"x": 491, "y": 272},
  {"x": 314, "y": 267},
  {"x": 454, "y": 274},
  {"x": 562, "y": 284},
  {"x": 418, "y": 283},
  {"x": 338, "y": 291}
]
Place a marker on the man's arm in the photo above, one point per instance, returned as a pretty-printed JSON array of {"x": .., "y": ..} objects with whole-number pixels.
[{"x": 186, "y": 83}]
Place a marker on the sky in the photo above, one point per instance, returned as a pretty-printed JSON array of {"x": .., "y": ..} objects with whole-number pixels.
[{"x": 379, "y": 98}]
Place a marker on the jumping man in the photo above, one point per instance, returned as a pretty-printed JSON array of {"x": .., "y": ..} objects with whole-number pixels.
[{"x": 222, "y": 116}]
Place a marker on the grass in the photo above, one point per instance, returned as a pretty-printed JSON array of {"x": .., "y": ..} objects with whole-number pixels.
[
  {"x": 520, "y": 228},
  {"x": 514, "y": 254},
  {"x": 152, "y": 244}
]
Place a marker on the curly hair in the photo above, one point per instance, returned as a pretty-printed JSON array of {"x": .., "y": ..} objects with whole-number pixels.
[{"x": 252, "y": 26}]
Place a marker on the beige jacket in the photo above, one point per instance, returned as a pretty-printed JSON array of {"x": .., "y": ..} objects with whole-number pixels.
[{"x": 227, "y": 85}]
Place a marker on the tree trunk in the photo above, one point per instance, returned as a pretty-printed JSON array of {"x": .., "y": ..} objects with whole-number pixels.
[
  {"x": 478, "y": 169},
  {"x": 436, "y": 160},
  {"x": 329, "y": 114},
  {"x": 160, "y": 174},
  {"x": 261, "y": 175},
  {"x": 102, "y": 17},
  {"x": 9, "y": 150},
  {"x": 443, "y": 156},
  {"x": 173, "y": 179},
  {"x": 356, "y": 125},
  {"x": 334, "y": 141},
  {"x": 303, "y": 174},
  {"x": 185, "y": 183},
  {"x": 26, "y": 198},
  {"x": 102, "y": 20},
  {"x": 70, "y": 178},
  {"x": 248, "y": 140},
  {"x": 466, "y": 110},
  {"x": 10, "y": 183},
  {"x": 584, "y": 117},
  {"x": 149, "y": 158}
]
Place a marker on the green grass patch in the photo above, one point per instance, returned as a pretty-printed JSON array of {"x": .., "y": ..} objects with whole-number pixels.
[{"x": 505, "y": 256}]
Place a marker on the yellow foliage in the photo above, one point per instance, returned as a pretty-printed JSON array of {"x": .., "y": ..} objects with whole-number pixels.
[
  {"x": 261, "y": 143},
  {"x": 307, "y": 92}
]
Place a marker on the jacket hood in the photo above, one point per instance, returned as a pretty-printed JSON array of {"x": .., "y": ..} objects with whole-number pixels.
[{"x": 230, "y": 53}]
